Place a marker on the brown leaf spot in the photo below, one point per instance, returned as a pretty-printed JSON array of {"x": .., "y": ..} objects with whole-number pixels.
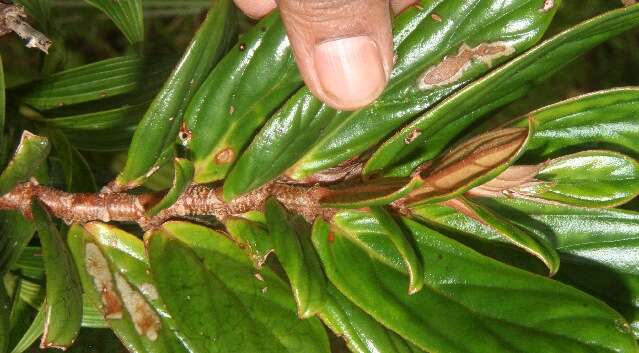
[
  {"x": 452, "y": 68},
  {"x": 225, "y": 156},
  {"x": 436, "y": 17},
  {"x": 548, "y": 5},
  {"x": 413, "y": 136},
  {"x": 145, "y": 320},
  {"x": 98, "y": 268},
  {"x": 628, "y": 2},
  {"x": 185, "y": 134}
]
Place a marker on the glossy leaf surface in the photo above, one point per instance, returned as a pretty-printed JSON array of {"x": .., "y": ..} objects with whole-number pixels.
[
  {"x": 600, "y": 120},
  {"x": 63, "y": 304},
  {"x": 305, "y": 136},
  {"x": 116, "y": 271},
  {"x": 181, "y": 181},
  {"x": 360, "y": 331},
  {"x": 403, "y": 246},
  {"x": 78, "y": 176},
  {"x": 466, "y": 304},
  {"x": 597, "y": 246},
  {"x": 254, "y": 79},
  {"x": 16, "y": 233},
  {"x": 30, "y": 154},
  {"x": 253, "y": 237},
  {"x": 292, "y": 243},
  {"x": 192, "y": 264},
  {"x": 442, "y": 124},
  {"x": 471, "y": 163},
  {"x": 159, "y": 127},
  {"x": 126, "y": 14},
  {"x": 589, "y": 179},
  {"x": 539, "y": 248}
]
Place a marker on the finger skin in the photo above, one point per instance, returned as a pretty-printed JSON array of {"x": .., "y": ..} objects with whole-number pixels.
[
  {"x": 401, "y": 5},
  {"x": 256, "y": 8},
  {"x": 342, "y": 47}
]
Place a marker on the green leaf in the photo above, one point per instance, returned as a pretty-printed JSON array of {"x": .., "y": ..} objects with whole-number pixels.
[
  {"x": 403, "y": 246},
  {"x": 597, "y": 246},
  {"x": 5, "y": 312},
  {"x": 467, "y": 302},
  {"x": 254, "y": 79},
  {"x": 21, "y": 316},
  {"x": 160, "y": 125},
  {"x": 376, "y": 192},
  {"x": 35, "y": 330},
  {"x": 123, "y": 116},
  {"x": 192, "y": 264},
  {"x": 3, "y": 102},
  {"x": 589, "y": 179},
  {"x": 360, "y": 331},
  {"x": 181, "y": 181},
  {"x": 253, "y": 237},
  {"x": 16, "y": 233},
  {"x": 126, "y": 14},
  {"x": 442, "y": 124},
  {"x": 292, "y": 243},
  {"x": 470, "y": 164},
  {"x": 115, "y": 274},
  {"x": 600, "y": 120},
  {"x": 78, "y": 176},
  {"x": 63, "y": 305},
  {"x": 539, "y": 248},
  {"x": 96, "y": 81},
  {"x": 305, "y": 137},
  {"x": 30, "y": 154}
]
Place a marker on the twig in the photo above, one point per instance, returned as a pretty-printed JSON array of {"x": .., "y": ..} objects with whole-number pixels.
[
  {"x": 12, "y": 20},
  {"x": 198, "y": 200}
]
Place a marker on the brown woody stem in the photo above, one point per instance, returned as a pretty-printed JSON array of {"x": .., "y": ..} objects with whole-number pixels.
[{"x": 199, "y": 200}]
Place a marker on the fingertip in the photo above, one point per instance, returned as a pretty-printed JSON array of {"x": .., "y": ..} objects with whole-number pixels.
[
  {"x": 256, "y": 9},
  {"x": 351, "y": 72}
]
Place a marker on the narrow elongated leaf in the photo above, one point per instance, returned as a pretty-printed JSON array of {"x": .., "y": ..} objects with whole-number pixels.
[
  {"x": 466, "y": 304},
  {"x": 439, "y": 126},
  {"x": 181, "y": 180},
  {"x": 304, "y": 136},
  {"x": 30, "y": 154},
  {"x": 242, "y": 91},
  {"x": 404, "y": 248},
  {"x": 77, "y": 173},
  {"x": 159, "y": 128},
  {"x": 3, "y": 103},
  {"x": 590, "y": 179},
  {"x": 123, "y": 116},
  {"x": 21, "y": 316},
  {"x": 16, "y": 233},
  {"x": 360, "y": 331},
  {"x": 96, "y": 81},
  {"x": 376, "y": 192},
  {"x": 253, "y": 237},
  {"x": 600, "y": 120},
  {"x": 192, "y": 264},
  {"x": 597, "y": 246},
  {"x": 535, "y": 246},
  {"x": 291, "y": 239},
  {"x": 63, "y": 305},
  {"x": 35, "y": 330},
  {"x": 471, "y": 163},
  {"x": 5, "y": 312},
  {"x": 126, "y": 14}
]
